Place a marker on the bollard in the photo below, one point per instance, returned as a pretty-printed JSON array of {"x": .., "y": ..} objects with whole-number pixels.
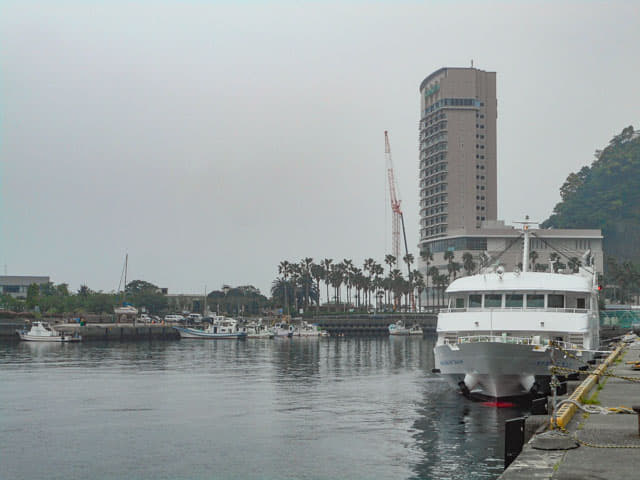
[
  {"x": 513, "y": 439},
  {"x": 636, "y": 408}
]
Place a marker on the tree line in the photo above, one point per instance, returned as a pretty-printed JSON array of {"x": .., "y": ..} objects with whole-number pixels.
[
  {"x": 55, "y": 299},
  {"x": 376, "y": 285}
]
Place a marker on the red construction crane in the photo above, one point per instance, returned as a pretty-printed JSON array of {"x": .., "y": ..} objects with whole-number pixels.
[{"x": 397, "y": 219}]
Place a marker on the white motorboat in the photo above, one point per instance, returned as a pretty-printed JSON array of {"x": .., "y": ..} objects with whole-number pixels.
[
  {"x": 501, "y": 331},
  {"x": 258, "y": 330},
  {"x": 309, "y": 330},
  {"x": 220, "y": 328},
  {"x": 283, "y": 330},
  {"x": 43, "y": 332},
  {"x": 416, "y": 330},
  {"x": 398, "y": 328}
]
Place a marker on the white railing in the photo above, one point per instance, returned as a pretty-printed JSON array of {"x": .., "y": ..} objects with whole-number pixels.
[
  {"x": 515, "y": 309},
  {"x": 508, "y": 339}
]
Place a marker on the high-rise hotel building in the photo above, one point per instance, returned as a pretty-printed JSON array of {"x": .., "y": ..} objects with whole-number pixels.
[
  {"x": 457, "y": 151},
  {"x": 458, "y": 180}
]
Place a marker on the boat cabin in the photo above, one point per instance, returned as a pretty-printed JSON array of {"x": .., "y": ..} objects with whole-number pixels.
[{"x": 522, "y": 291}]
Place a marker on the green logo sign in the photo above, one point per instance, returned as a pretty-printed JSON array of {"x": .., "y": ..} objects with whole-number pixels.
[{"x": 432, "y": 90}]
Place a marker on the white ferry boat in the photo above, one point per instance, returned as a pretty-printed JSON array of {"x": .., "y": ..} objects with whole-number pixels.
[
  {"x": 502, "y": 331},
  {"x": 43, "y": 332}
]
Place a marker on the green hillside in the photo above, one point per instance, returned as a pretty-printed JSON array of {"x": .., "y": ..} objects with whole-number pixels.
[{"x": 606, "y": 195}]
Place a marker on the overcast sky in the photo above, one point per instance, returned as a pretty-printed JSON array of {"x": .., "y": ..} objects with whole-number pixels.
[{"x": 211, "y": 140}]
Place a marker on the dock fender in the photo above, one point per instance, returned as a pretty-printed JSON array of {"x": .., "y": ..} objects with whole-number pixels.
[
  {"x": 470, "y": 381},
  {"x": 463, "y": 388},
  {"x": 527, "y": 382}
]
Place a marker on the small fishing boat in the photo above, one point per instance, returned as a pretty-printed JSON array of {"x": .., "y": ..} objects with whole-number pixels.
[
  {"x": 43, "y": 332},
  {"x": 221, "y": 328},
  {"x": 309, "y": 330},
  {"x": 416, "y": 330},
  {"x": 257, "y": 330},
  {"x": 398, "y": 328},
  {"x": 283, "y": 330}
]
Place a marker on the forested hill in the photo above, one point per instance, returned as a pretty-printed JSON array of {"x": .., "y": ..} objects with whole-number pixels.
[{"x": 606, "y": 196}]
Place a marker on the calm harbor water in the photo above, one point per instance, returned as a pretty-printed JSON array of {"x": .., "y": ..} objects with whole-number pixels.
[{"x": 325, "y": 408}]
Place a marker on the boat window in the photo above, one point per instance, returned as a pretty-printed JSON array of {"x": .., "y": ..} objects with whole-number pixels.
[
  {"x": 555, "y": 301},
  {"x": 535, "y": 301},
  {"x": 513, "y": 300},
  {"x": 459, "y": 302},
  {"x": 475, "y": 301},
  {"x": 581, "y": 302},
  {"x": 493, "y": 300}
]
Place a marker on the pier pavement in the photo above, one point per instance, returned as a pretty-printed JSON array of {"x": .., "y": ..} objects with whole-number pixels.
[{"x": 609, "y": 445}]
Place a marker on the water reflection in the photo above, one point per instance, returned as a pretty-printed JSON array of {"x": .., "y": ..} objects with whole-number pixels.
[
  {"x": 458, "y": 438},
  {"x": 336, "y": 407}
]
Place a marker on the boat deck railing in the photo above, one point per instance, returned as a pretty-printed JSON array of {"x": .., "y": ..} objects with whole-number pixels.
[
  {"x": 533, "y": 340},
  {"x": 514, "y": 309}
]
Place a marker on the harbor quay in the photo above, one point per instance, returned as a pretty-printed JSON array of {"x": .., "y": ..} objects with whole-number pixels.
[
  {"x": 364, "y": 325},
  {"x": 105, "y": 328},
  {"x": 596, "y": 437}
]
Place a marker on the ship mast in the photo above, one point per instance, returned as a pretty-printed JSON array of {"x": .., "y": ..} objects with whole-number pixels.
[{"x": 525, "y": 250}]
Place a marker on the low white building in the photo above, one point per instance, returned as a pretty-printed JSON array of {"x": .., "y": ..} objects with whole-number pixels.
[
  {"x": 503, "y": 245},
  {"x": 17, "y": 285}
]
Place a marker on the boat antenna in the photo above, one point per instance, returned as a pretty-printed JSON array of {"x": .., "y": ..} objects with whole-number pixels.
[{"x": 525, "y": 251}]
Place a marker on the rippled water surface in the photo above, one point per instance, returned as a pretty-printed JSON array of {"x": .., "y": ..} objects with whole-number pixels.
[{"x": 256, "y": 409}]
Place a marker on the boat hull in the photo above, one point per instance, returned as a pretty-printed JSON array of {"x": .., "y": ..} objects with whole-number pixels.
[
  {"x": 260, "y": 335},
  {"x": 53, "y": 338},
  {"x": 497, "y": 370},
  {"x": 201, "y": 334}
]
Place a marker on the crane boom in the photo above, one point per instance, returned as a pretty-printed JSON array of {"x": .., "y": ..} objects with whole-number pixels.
[{"x": 397, "y": 221}]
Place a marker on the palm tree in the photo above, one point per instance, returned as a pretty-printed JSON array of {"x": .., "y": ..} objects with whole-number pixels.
[
  {"x": 427, "y": 258},
  {"x": 554, "y": 258},
  {"x": 377, "y": 283},
  {"x": 326, "y": 263},
  {"x": 336, "y": 278},
  {"x": 305, "y": 274},
  {"x": 442, "y": 282},
  {"x": 449, "y": 256},
  {"x": 434, "y": 274},
  {"x": 574, "y": 264},
  {"x": 453, "y": 268},
  {"x": 347, "y": 266},
  {"x": 391, "y": 261},
  {"x": 284, "y": 269},
  {"x": 395, "y": 285},
  {"x": 409, "y": 259},
  {"x": 317, "y": 273},
  {"x": 533, "y": 256},
  {"x": 359, "y": 283},
  {"x": 294, "y": 270},
  {"x": 368, "y": 267},
  {"x": 418, "y": 281},
  {"x": 468, "y": 263}
]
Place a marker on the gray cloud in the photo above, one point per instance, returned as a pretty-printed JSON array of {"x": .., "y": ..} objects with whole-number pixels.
[{"x": 211, "y": 141}]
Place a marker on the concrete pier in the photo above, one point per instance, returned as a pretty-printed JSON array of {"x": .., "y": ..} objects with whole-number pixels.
[
  {"x": 120, "y": 331},
  {"x": 366, "y": 325},
  {"x": 608, "y": 446}
]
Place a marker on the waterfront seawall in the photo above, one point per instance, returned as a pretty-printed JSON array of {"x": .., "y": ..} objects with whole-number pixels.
[
  {"x": 367, "y": 325},
  {"x": 120, "y": 331}
]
